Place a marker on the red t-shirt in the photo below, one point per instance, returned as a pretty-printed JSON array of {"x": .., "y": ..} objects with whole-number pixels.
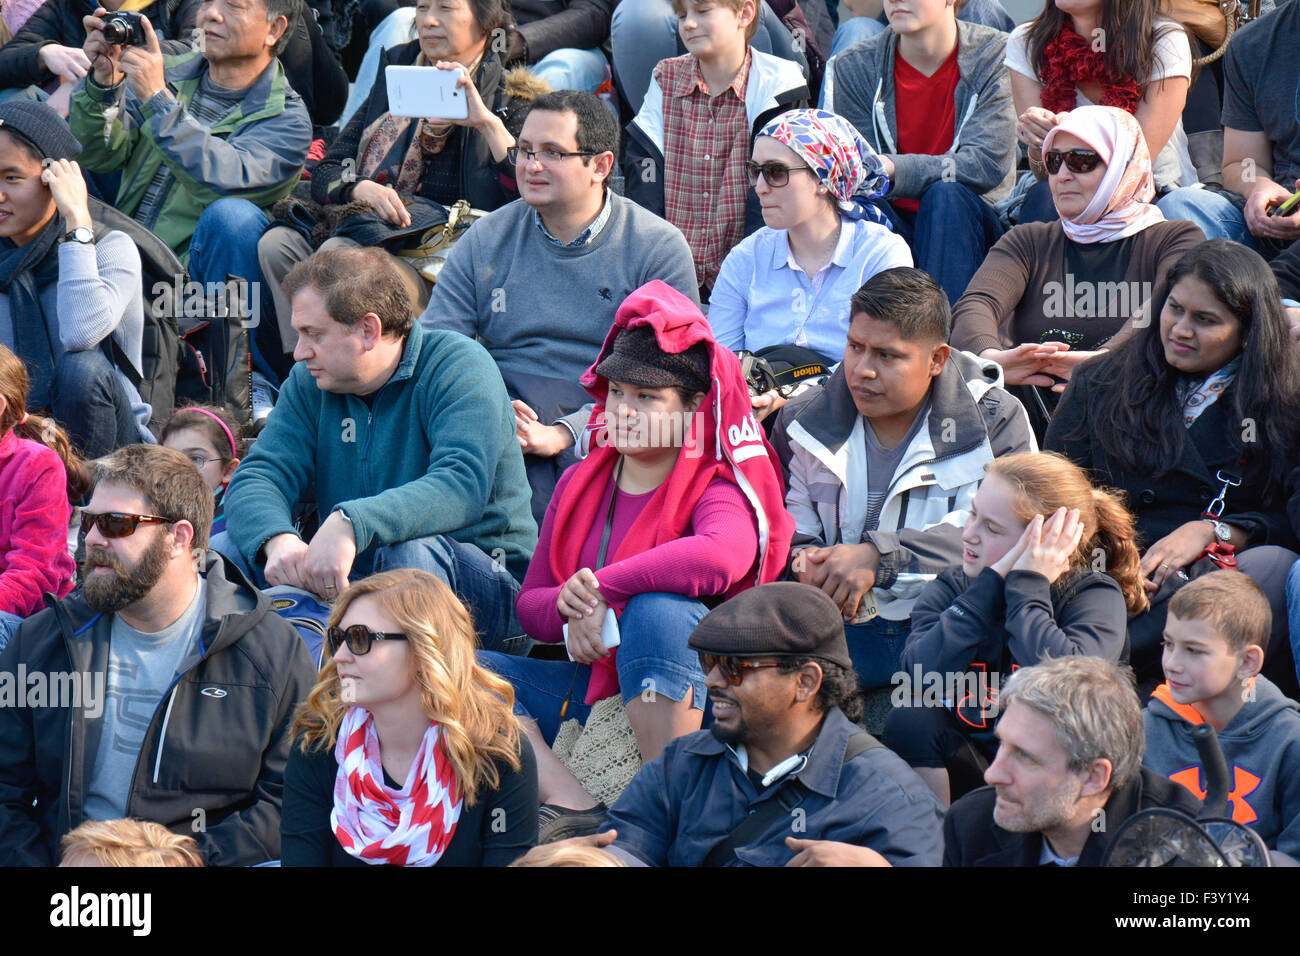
[{"x": 925, "y": 111}]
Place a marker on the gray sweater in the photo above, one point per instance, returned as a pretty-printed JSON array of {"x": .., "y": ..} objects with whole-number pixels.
[
  {"x": 543, "y": 309},
  {"x": 859, "y": 85},
  {"x": 99, "y": 294}
]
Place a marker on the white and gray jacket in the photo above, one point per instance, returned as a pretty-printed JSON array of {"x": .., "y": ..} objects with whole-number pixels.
[
  {"x": 971, "y": 419},
  {"x": 859, "y": 85}
]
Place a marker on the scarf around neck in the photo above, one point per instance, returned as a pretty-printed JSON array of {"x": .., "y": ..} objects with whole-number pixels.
[
  {"x": 1195, "y": 397},
  {"x": 1069, "y": 60},
  {"x": 24, "y": 271},
  {"x": 376, "y": 824}
]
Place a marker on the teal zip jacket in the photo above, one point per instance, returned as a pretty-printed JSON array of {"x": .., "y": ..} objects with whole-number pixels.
[{"x": 435, "y": 452}]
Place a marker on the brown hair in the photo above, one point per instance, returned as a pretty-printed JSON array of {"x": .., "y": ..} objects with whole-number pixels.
[
  {"x": 751, "y": 31},
  {"x": 46, "y": 431},
  {"x": 190, "y": 416},
  {"x": 1045, "y": 481},
  {"x": 1231, "y": 603},
  {"x": 473, "y": 705},
  {"x": 353, "y": 282},
  {"x": 165, "y": 479},
  {"x": 130, "y": 843}
]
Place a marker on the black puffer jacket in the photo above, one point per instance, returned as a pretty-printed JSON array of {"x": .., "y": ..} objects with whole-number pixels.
[
  {"x": 217, "y": 743},
  {"x": 486, "y": 183}
]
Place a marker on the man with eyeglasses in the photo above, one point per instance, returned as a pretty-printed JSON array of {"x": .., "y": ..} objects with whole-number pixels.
[
  {"x": 169, "y": 682},
  {"x": 784, "y": 776},
  {"x": 538, "y": 281}
]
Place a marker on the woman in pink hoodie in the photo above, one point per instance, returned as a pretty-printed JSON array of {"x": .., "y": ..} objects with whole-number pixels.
[
  {"x": 678, "y": 506},
  {"x": 40, "y": 476}
]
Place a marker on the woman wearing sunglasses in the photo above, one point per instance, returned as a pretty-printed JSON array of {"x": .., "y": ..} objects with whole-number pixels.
[
  {"x": 406, "y": 751},
  {"x": 1051, "y": 294},
  {"x": 790, "y": 282},
  {"x": 41, "y": 478},
  {"x": 1119, "y": 53},
  {"x": 680, "y": 502},
  {"x": 1196, "y": 418}
]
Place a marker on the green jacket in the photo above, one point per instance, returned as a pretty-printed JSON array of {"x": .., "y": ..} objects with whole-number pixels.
[{"x": 256, "y": 152}]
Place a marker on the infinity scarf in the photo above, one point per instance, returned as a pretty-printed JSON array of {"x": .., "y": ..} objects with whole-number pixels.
[
  {"x": 839, "y": 157},
  {"x": 1070, "y": 60},
  {"x": 1122, "y": 205},
  {"x": 408, "y": 827},
  {"x": 24, "y": 271}
]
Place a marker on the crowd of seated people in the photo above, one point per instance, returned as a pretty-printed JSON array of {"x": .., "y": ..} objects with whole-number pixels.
[{"x": 505, "y": 417}]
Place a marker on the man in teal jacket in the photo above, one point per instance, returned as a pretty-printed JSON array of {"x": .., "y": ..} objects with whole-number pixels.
[{"x": 408, "y": 438}]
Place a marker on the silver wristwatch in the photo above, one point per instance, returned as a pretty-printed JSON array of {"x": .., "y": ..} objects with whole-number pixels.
[{"x": 1221, "y": 531}]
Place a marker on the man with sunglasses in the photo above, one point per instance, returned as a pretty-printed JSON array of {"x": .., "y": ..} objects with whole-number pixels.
[
  {"x": 784, "y": 776},
  {"x": 538, "y": 282},
  {"x": 201, "y": 679}
]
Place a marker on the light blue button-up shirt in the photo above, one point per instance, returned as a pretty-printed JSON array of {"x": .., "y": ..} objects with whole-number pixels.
[{"x": 763, "y": 298}]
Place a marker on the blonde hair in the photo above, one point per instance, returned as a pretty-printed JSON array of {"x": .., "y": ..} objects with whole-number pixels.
[
  {"x": 473, "y": 705},
  {"x": 130, "y": 843},
  {"x": 556, "y": 854},
  {"x": 1044, "y": 481}
]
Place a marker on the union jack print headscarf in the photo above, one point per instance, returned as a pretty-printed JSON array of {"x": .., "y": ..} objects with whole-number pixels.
[{"x": 843, "y": 161}]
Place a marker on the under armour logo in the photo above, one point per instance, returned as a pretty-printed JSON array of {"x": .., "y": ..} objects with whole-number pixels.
[
  {"x": 606, "y": 294},
  {"x": 1244, "y": 783}
]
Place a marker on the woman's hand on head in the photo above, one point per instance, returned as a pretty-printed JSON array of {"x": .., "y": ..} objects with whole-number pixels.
[{"x": 384, "y": 200}]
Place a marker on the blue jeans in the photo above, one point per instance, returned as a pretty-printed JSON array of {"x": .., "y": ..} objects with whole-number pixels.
[
  {"x": 225, "y": 244},
  {"x": 486, "y": 587},
  {"x": 854, "y": 30},
  {"x": 9, "y": 624},
  {"x": 951, "y": 233},
  {"x": 573, "y": 69},
  {"x": 652, "y": 658},
  {"x": 876, "y": 649},
  {"x": 1038, "y": 205},
  {"x": 1215, "y": 214},
  {"x": 88, "y": 398},
  {"x": 1293, "y": 613}
]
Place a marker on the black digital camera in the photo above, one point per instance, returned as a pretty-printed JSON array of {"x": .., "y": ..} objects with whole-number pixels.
[{"x": 125, "y": 28}]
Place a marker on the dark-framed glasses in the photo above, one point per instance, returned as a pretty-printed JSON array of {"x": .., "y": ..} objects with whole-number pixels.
[
  {"x": 734, "y": 668},
  {"x": 774, "y": 174},
  {"x": 359, "y": 638},
  {"x": 1076, "y": 160},
  {"x": 118, "y": 524},
  {"x": 545, "y": 155}
]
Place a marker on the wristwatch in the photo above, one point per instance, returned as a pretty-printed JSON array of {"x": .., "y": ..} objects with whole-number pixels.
[
  {"x": 1221, "y": 531},
  {"x": 82, "y": 234}
]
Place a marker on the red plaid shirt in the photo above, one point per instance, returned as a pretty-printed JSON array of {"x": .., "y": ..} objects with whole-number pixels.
[{"x": 706, "y": 144}]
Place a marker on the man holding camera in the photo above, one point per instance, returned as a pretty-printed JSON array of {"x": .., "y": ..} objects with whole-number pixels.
[{"x": 205, "y": 139}]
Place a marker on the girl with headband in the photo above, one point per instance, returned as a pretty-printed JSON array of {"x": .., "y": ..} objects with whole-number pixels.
[
  {"x": 211, "y": 438},
  {"x": 790, "y": 282}
]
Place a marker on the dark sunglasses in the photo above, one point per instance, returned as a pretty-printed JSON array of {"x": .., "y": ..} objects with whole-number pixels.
[
  {"x": 359, "y": 638},
  {"x": 733, "y": 668},
  {"x": 775, "y": 174},
  {"x": 118, "y": 524},
  {"x": 1076, "y": 160}
]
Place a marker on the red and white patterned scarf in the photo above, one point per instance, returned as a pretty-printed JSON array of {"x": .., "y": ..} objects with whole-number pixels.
[{"x": 376, "y": 824}]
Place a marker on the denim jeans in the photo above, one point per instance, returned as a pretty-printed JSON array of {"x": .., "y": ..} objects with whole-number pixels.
[
  {"x": 88, "y": 398},
  {"x": 573, "y": 69},
  {"x": 9, "y": 624},
  {"x": 1038, "y": 205},
  {"x": 1293, "y": 613},
  {"x": 876, "y": 649},
  {"x": 652, "y": 658},
  {"x": 225, "y": 244},
  {"x": 854, "y": 30},
  {"x": 643, "y": 32},
  {"x": 951, "y": 233},
  {"x": 1215, "y": 214}
]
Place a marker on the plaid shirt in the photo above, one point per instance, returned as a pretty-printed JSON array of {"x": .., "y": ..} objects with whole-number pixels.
[{"x": 706, "y": 143}]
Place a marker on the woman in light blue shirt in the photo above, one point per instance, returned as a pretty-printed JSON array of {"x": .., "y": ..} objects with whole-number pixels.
[{"x": 790, "y": 282}]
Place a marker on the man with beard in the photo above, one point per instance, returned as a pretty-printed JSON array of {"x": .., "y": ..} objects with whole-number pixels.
[
  {"x": 784, "y": 776},
  {"x": 186, "y": 682},
  {"x": 1068, "y": 771}
]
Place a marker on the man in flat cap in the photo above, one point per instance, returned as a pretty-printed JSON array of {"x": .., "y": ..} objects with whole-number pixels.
[{"x": 784, "y": 776}]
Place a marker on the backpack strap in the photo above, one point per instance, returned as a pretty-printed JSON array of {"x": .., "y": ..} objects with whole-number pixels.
[{"x": 789, "y": 795}]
